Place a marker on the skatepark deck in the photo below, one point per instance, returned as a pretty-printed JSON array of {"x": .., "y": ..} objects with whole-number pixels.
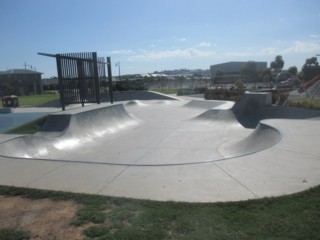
[{"x": 167, "y": 150}]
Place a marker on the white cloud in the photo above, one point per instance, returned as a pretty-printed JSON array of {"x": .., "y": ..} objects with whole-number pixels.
[
  {"x": 238, "y": 54},
  {"x": 314, "y": 36},
  {"x": 296, "y": 47},
  {"x": 303, "y": 47},
  {"x": 176, "y": 53},
  {"x": 269, "y": 51},
  {"x": 181, "y": 39},
  {"x": 122, "y": 52},
  {"x": 204, "y": 44}
]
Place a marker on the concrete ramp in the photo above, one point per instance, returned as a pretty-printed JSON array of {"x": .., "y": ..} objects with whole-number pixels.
[
  {"x": 263, "y": 137},
  {"x": 218, "y": 115},
  {"x": 204, "y": 104},
  {"x": 64, "y": 134}
]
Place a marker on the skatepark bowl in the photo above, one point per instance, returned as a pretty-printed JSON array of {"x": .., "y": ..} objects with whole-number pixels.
[{"x": 170, "y": 149}]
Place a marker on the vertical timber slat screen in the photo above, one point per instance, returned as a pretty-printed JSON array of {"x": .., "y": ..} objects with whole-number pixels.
[{"x": 82, "y": 77}]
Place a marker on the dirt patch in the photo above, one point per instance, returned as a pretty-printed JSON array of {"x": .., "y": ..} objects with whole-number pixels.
[{"x": 45, "y": 219}]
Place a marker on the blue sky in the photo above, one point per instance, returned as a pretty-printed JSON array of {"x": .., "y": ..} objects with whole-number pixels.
[{"x": 156, "y": 35}]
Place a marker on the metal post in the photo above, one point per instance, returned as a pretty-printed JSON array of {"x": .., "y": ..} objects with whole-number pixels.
[
  {"x": 61, "y": 87},
  {"x": 110, "y": 79},
  {"x": 81, "y": 82},
  {"x": 96, "y": 76}
]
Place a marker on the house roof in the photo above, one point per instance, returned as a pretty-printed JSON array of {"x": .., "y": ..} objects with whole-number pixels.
[{"x": 19, "y": 71}]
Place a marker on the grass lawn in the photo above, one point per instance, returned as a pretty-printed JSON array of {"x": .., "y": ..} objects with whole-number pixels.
[
  {"x": 33, "y": 101},
  {"x": 28, "y": 128},
  {"x": 37, "y": 100},
  {"x": 305, "y": 103},
  {"x": 295, "y": 216}
]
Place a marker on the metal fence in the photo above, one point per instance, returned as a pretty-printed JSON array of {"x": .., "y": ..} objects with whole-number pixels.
[{"x": 82, "y": 77}]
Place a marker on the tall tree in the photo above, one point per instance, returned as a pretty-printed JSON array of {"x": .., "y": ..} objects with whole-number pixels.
[
  {"x": 293, "y": 70},
  {"x": 311, "y": 62},
  {"x": 277, "y": 64},
  {"x": 266, "y": 75},
  {"x": 311, "y": 68}
]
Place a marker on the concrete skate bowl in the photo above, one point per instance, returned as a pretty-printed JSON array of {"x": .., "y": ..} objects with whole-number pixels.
[
  {"x": 144, "y": 133},
  {"x": 252, "y": 109}
]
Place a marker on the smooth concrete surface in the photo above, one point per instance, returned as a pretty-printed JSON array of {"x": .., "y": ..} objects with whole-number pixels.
[{"x": 187, "y": 150}]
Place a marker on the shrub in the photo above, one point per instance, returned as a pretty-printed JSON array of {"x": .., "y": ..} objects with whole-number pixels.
[
  {"x": 304, "y": 103},
  {"x": 96, "y": 231},
  {"x": 223, "y": 94},
  {"x": 129, "y": 85}
]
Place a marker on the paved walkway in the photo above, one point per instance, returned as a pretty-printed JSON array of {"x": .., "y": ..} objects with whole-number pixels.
[{"x": 290, "y": 165}]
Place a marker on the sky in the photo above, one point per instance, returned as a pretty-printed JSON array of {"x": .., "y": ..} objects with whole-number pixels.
[{"x": 155, "y": 35}]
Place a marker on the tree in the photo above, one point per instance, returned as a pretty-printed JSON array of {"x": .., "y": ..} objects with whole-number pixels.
[
  {"x": 311, "y": 68},
  {"x": 266, "y": 75},
  {"x": 239, "y": 84},
  {"x": 277, "y": 64},
  {"x": 7, "y": 89},
  {"x": 311, "y": 62},
  {"x": 293, "y": 70}
]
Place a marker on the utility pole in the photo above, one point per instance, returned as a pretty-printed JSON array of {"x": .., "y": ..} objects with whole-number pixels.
[{"x": 26, "y": 65}]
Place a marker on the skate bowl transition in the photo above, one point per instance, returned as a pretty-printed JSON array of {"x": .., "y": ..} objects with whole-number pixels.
[
  {"x": 171, "y": 149},
  {"x": 169, "y": 133}
]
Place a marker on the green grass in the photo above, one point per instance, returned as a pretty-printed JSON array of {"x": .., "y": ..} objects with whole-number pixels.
[
  {"x": 305, "y": 103},
  {"x": 34, "y": 101},
  {"x": 28, "y": 128},
  {"x": 37, "y": 100},
  {"x": 294, "y": 216}
]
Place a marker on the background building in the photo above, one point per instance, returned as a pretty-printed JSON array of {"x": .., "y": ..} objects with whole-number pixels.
[{"x": 20, "y": 82}]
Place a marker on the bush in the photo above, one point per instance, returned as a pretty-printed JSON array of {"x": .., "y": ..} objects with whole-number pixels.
[
  {"x": 223, "y": 94},
  {"x": 305, "y": 103},
  {"x": 96, "y": 231},
  {"x": 127, "y": 85}
]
